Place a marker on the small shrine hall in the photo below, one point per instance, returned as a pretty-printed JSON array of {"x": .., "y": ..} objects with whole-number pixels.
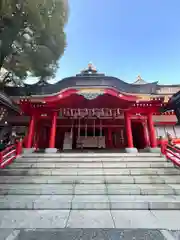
[{"x": 94, "y": 111}]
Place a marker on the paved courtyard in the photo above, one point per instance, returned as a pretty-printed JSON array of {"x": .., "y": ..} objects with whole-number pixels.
[{"x": 87, "y": 234}]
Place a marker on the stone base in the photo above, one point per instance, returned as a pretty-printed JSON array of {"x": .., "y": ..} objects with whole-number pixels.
[
  {"x": 51, "y": 150},
  {"x": 131, "y": 150},
  {"x": 154, "y": 150},
  {"x": 28, "y": 150}
]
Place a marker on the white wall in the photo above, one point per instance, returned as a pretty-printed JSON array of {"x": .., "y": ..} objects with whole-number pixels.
[{"x": 173, "y": 130}]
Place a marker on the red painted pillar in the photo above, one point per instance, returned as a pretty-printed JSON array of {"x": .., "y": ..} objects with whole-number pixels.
[
  {"x": 30, "y": 132},
  {"x": 128, "y": 128},
  {"x": 109, "y": 138},
  {"x": 146, "y": 137},
  {"x": 53, "y": 131},
  {"x": 152, "y": 133}
]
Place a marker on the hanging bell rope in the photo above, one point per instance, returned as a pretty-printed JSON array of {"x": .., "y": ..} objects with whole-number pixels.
[
  {"x": 86, "y": 129},
  {"x": 100, "y": 128},
  {"x": 94, "y": 128},
  {"x": 79, "y": 127},
  {"x": 72, "y": 129}
]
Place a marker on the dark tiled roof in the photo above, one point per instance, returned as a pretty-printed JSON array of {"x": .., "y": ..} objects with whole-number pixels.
[
  {"x": 6, "y": 101},
  {"x": 91, "y": 80}
]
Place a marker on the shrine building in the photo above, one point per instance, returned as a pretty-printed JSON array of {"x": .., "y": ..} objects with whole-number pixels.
[{"x": 94, "y": 111}]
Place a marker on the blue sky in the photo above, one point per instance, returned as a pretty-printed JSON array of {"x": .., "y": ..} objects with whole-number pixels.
[{"x": 124, "y": 38}]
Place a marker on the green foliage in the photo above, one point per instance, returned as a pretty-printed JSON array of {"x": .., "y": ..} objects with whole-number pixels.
[{"x": 32, "y": 37}]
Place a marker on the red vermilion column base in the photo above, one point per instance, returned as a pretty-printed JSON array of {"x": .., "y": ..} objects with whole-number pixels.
[
  {"x": 52, "y": 134},
  {"x": 30, "y": 133},
  {"x": 152, "y": 133},
  {"x": 128, "y": 130}
]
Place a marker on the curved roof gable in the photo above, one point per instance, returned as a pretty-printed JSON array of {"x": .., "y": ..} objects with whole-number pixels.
[{"x": 87, "y": 78}]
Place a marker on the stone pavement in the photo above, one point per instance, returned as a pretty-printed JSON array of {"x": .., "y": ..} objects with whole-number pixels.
[
  {"x": 128, "y": 219},
  {"x": 86, "y": 234}
]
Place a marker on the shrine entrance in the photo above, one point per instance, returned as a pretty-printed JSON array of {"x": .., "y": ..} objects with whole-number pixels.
[{"x": 138, "y": 133}]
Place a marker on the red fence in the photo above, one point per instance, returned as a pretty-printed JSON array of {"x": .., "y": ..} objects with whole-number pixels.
[
  {"x": 172, "y": 153},
  {"x": 10, "y": 154}
]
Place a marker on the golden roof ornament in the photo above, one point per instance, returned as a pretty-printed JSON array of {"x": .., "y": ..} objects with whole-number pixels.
[
  {"x": 91, "y": 67},
  {"x": 139, "y": 80}
]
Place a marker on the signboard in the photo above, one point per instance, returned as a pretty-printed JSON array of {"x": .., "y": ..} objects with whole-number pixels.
[{"x": 89, "y": 113}]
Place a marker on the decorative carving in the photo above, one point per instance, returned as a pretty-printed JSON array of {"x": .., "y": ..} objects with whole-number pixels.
[{"x": 90, "y": 95}]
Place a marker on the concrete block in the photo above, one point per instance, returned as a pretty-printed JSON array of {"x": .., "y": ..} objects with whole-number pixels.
[
  {"x": 164, "y": 205},
  {"x": 39, "y": 172},
  {"x": 28, "y": 150},
  {"x": 87, "y": 165},
  {"x": 62, "y": 172},
  {"x": 43, "y": 165},
  {"x": 90, "y": 179},
  {"x": 171, "y": 179},
  {"x": 119, "y": 203},
  {"x": 154, "y": 150},
  {"x": 144, "y": 171},
  {"x": 90, "y": 172},
  {"x": 148, "y": 179},
  {"x": 53, "y": 202},
  {"x": 161, "y": 165},
  {"x": 20, "y": 165},
  {"x": 116, "y": 171},
  {"x": 119, "y": 179},
  {"x": 113, "y": 165},
  {"x": 122, "y": 189},
  {"x": 33, "y": 219},
  {"x": 131, "y": 150},
  {"x": 167, "y": 219},
  {"x": 61, "y": 179},
  {"x": 67, "y": 165},
  {"x": 134, "y": 219},
  {"x": 90, "y": 189},
  {"x": 90, "y": 202},
  {"x": 176, "y": 188},
  {"x": 168, "y": 171},
  {"x": 155, "y": 189},
  {"x": 17, "y": 202},
  {"x": 138, "y": 164},
  {"x": 9, "y": 234},
  {"x": 51, "y": 150},
  {"x": 90, "y": 219},
  {"x": 144, "y": 159}
]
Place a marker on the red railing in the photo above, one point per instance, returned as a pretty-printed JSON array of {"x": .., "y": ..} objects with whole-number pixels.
[
  {"x": 172, "y": 153},
  {"x": 9, "y": 154}
]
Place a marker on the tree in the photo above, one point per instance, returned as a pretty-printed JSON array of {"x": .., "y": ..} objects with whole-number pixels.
[{"x": 32, "y": 37}]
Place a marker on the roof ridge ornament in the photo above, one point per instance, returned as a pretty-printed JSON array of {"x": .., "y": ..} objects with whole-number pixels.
[{"x": 139, "y": 80}]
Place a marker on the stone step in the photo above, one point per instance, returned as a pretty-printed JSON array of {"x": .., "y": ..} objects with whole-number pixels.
[
  {"x": 89, "y": 202},
  {"x": 90, "y": 171},
  {"x": 90, "y": 189},
  {"x": 90, "y": 155},
  {"x": 91, "y": 160},
  {"x": 92, "y": 179},
  {"x": 98, "y": 165}
]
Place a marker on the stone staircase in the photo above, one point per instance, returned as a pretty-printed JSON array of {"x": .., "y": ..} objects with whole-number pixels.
[{"x": 90, "y": 181}]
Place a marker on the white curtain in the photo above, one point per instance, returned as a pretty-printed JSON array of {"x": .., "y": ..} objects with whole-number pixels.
[
  {"x": 177, "y": 131},
  {"x": 170, "y": 129},
  {"x": 160, "y": 131}
]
